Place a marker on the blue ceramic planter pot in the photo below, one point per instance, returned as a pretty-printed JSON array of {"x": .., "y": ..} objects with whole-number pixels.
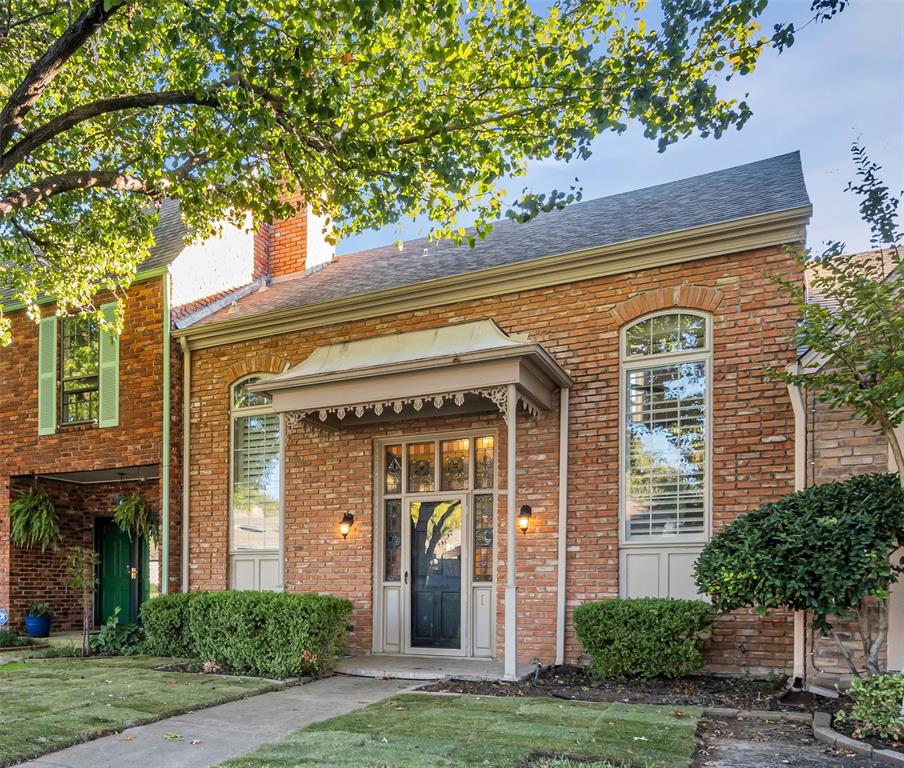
[{"x": 37, "y": 626}]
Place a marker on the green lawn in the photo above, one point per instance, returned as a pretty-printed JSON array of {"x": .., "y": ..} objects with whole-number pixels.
[
  {"x": 49, "y": 705},
  {"x": 420, "y": 731}
]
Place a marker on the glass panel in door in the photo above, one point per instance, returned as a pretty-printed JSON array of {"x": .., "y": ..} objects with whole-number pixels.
[{"x": 436, "y": 556}]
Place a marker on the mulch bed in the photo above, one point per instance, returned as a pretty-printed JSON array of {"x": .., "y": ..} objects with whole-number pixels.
[
  {"x": 574, "y": 683},
  {"x": 748, "y": 743},
  {"x": 850, "y": 729}
]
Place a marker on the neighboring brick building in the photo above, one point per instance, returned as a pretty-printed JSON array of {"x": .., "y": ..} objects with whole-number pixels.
[
  {"x": 88, "y": 416},
  {"x": 367, "y": 386},
  {"x": 838, "y": 445}
]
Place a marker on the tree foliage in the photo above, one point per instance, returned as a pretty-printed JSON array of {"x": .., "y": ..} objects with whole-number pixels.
[
  {"x": 857, "y": 332},
  {"x": 826, "y": 549},
  {"x": 372, "y": 110}
]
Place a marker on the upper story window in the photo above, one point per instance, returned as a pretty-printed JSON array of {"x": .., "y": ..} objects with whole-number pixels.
[
  {"x": 79, "y": 369},
  {"x": 255, "y": 470},
  {"x": 666, "y": 362}
]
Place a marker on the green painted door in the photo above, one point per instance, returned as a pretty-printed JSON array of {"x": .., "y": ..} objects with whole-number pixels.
[{"x": 123, "y": 569}]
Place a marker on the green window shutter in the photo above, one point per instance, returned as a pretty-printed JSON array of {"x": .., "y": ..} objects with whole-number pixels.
[
  {"x": 108, "y": 409},
  {"x": 47, "y": 375}
]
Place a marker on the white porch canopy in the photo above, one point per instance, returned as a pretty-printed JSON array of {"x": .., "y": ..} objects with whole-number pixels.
[
  {"x": 471, "y": 366},
  {"x": 463, "y": 367}
]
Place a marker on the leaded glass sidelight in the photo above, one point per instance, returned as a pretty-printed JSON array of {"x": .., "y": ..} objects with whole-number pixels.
[
  {"x": 483, "y": 537},
  {"x": 393, "y": 542},
  {"x": 393, "y": 459},
  {"x": 453, "y": 456},
  {"x": 484, "y": 462},
  {"x": 421, "y": 467}
]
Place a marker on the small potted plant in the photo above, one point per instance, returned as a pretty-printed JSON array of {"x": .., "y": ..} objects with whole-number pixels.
[{"x": 37, "y": 620}]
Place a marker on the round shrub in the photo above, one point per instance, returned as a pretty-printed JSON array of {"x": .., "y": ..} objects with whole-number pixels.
[
  {"x": 821, "y": 549},
  {"x": 826, "y": 549},
  {"x": 643, "y": 637}
]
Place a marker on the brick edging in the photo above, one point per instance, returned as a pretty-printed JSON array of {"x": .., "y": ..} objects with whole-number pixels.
[{"x": 823, "y": 731}]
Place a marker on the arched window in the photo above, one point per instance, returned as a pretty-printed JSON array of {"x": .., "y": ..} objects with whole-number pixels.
[
  {"x": 255, "y": 491},
  {"x": 666, "y": 370}
]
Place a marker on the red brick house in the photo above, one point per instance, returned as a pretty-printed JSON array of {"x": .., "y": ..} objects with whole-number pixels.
[
  {"x": 467, "y": 443},
  {"x": 375, "y": 426}
]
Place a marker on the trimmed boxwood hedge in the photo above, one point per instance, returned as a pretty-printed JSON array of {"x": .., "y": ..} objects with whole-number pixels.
[
  {"x": 643, "y": 637},
  {"x": 270, "y": 634}
]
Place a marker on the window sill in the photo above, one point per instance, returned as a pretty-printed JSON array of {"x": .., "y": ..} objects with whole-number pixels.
[
  {"x": 77, "y": 426},
  {"x": 664, "y": 543}
]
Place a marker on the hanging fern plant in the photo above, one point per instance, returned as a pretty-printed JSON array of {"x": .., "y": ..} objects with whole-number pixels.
[
  {"x": 33, "y": 520},
  {"x": 136, "y": 518}
]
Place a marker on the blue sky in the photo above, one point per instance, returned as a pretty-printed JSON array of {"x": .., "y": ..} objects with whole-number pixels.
[{"x": 841, "y": 80}]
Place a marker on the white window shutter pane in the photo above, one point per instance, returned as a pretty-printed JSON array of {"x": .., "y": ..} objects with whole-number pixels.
[
  {"x": 666, "y": 440},
  {"x": 108, "y": 409},
  {"x": 47, "y": 375}
]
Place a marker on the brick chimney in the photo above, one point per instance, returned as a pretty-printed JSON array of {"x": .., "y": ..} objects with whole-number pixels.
[{"x": 292, "y": 247}]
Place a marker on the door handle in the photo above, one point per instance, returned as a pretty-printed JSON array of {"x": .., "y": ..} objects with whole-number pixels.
[{"x": 406, "y": 577}]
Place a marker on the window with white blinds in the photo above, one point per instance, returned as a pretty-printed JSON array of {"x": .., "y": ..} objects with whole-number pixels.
[
  {"x": 255, "y": 471},
  {"x": 665, "y": 403}
]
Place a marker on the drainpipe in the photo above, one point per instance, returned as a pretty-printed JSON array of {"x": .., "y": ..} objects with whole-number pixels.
[
  {"x": 800, "y": 482},
  {"x": 186, "y": 447},
  {"x": 563, "y": 525},
  {"x": 165, "y": 464}
]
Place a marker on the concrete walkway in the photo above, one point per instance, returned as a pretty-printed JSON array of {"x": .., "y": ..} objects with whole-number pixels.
[{"x": 210, "y": 736}]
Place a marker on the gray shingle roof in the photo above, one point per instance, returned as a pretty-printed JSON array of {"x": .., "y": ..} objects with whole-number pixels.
[
  {"x": 748, "y": 190},
  {"x": 169, "y": 237}
]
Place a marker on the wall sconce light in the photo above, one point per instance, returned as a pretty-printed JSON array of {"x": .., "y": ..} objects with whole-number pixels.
[
  {"x": 345, "y": 525},
  {"x": 524, "y": 518}
]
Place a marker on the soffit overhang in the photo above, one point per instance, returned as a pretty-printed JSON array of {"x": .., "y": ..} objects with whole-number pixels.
[{"x": 462, "y": 367}]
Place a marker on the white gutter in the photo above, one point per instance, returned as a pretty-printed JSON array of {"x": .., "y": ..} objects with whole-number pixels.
[
  {"x": 799, "y": 674},
  {"x": 186, "y": 447},
  {"x": 563, "y": 525}
]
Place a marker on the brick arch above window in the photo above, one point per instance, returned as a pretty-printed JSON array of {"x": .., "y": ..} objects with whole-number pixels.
[
  {"x": 256, "y": 364},
  {"x": 675, "y": 296}
]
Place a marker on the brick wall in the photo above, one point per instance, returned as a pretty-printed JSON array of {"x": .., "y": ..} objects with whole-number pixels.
[
  {"x": 135, "y": 441},
  {"x": 579, "y": 325},
  {"x": 839, "y": 445}
]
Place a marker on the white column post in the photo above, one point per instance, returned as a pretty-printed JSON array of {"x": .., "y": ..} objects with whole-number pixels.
[
  {"x": 511, "y": 499},
  {"x": 563, "y": 525}
]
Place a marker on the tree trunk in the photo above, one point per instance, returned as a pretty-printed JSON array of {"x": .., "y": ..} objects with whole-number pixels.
[
  {"x": 891, "y": 434},
  {"x": 865, "y": 627},
  {"x": 86, "y": 625},
  {"x": 873, "y": 660},
  {"x": 846, "y": 653}
]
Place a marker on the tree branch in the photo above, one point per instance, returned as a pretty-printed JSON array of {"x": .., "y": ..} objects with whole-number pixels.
[
  {"x": 28, "y": 143},
  {"x": 33, "y": 194},
  {"x": 46, "y": 68}
]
